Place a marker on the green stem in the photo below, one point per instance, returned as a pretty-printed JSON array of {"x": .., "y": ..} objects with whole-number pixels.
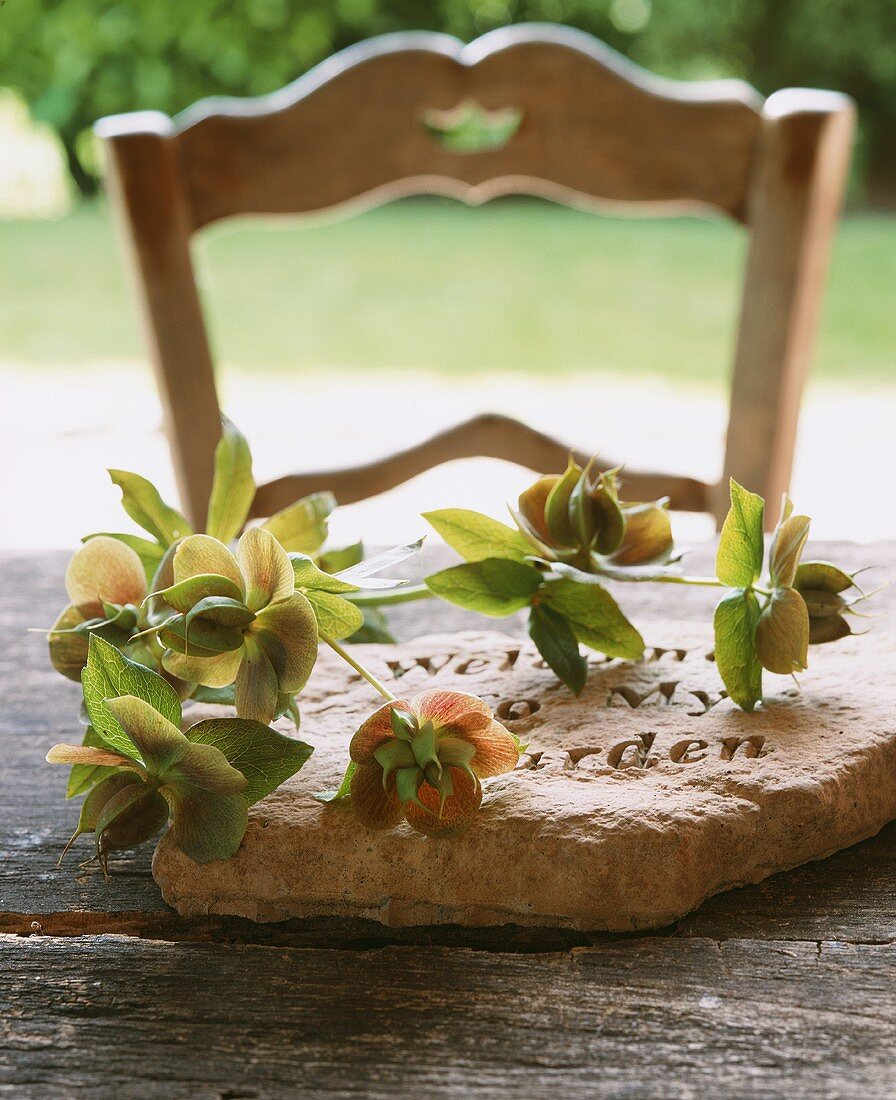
[
  {"x": 659, "y": 578},
  {"x": 382, "y": 598},
  {"x": 359, "y": 668}
]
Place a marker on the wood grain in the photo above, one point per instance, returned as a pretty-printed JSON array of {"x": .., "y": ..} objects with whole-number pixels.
[
  {"x": 794, "y": 202},
  {"x": 648, "y": 1018},
  {"x": 594, "y": 129}
]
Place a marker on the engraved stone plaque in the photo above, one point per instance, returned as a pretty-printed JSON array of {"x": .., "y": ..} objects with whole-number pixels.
[{"x": 632, "y": 803}]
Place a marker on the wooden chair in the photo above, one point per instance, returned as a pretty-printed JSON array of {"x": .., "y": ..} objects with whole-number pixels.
[{"x": 530, "y": 109}]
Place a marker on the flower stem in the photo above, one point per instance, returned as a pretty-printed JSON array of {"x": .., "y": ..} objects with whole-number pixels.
[
  {"x": 382, "y": 598},
  {"x": 359, "y": 668},
  {"x": 659, "y": 578}
]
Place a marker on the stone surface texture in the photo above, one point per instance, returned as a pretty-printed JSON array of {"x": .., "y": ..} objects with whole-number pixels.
[{"x": 633, "y": 803}]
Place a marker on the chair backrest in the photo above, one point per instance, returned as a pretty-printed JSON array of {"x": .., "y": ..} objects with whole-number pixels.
[{"x": 529, "y": 109}]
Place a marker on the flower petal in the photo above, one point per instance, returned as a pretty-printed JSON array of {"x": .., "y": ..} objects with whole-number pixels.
[
  {"x": 445, "y": 707},
  {"x": 257, "y": 692},
  {"x": 203, "y": 765},
  {"x": 68, "y": 652},
  {"x": 532, "y": 504},
  {"x": 201, "y": 554},
  {"x": 459, "y": 809},
  {"x": 217, "y": 672},
  {"x": 376, "y": 730},
  {"x": 161, "y": 743},
  {"x": 287, "y": 632},
  {"x": 374, "y": 806},
  {"x": 207, "y": 825},
  {"x": 266, "y": 567},
  {"x": 496, "y": 750},
  {"x": 85, "y": 754},
  {"x": 104, "y": 570}
]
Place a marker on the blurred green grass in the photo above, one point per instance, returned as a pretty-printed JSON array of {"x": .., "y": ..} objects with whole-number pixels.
[{"x": 428, "y": 284}]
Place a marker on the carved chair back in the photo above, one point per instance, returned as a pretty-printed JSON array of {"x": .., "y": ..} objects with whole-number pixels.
[{"x": 538, "y": 110}]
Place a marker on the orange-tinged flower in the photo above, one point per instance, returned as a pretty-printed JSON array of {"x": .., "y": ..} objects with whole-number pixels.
[
  {"x": 106, "y": 584},
  {"x": 423, "y": 760}
]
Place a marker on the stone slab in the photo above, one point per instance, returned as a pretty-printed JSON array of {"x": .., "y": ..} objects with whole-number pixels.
[{"x": 634, "y": 802}]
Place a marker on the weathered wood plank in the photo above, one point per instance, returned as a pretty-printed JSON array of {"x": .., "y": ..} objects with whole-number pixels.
[
  {"x": 646, "y": 1018},
  {"x": 849, "y": 896}
]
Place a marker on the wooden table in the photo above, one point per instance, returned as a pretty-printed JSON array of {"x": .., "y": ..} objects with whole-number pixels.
[{"x": 787, "y": 988}]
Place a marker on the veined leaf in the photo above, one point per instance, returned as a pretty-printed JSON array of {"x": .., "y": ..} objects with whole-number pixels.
[
  {"x": 336, "y": 617},
  {"x": 341, "y": 557},
  {"x": 302, "y": 526},
  {"x": 308, "y": 575},
  {"x": 108, "y": 675},
  {"x": 555, "y": 641},
  {"x": 476, "y": 537},
  {"x": 595, "y": 617},
  {"x": 494, "y": 586},
  {"x": 739, "y": 557},
  {"x": 233, "y": 487},
  {"x": 735, "y": 621},
  {"x": 265, "y": 757},
  {"x": 143, "y": 504}
]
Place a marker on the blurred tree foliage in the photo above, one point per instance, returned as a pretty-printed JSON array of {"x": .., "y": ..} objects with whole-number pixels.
[{"x": 76, "y": 60}]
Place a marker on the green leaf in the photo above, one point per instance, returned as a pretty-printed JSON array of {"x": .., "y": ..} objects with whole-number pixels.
[
  {"x": 233, "y": 487},
  {"x": 302, "y": 526},
  {"x": 739, "y": 557},
  {"x": 108, "y": 675},
  {"x": 594, "y": 616},
  {"x": 375, "y": 628},
  {"x": 265, "y": 757},
  {"x": 309, "y": 576},
  {"x": 555, "y": 641},
  {"x": 149, "y": 553},
  {"x": 336, "y": 617},
  {"x": 735, "y": 621},
  {"x": 344, "y": 788},
  {"x": 476, "y": 537},
  {"x": 342, "y": 557},
  {"x": 143, "y": 504},
  {"x": 494, "y": 586},
  {"x": 84, "y": 776},
  {"x": 782, "y": 634}
]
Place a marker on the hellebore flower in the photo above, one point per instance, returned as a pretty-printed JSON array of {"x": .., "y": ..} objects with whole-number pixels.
[
  {"x": 106, "y": 584},
  {"x": 167, "y": 774},
  {"x": 237, "y": 619},
  {"x": 423, "y": 760},
  {"x": 576, "y": 515}
]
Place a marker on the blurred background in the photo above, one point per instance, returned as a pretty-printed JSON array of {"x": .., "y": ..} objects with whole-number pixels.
[{"x": 338, "y": 340}]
